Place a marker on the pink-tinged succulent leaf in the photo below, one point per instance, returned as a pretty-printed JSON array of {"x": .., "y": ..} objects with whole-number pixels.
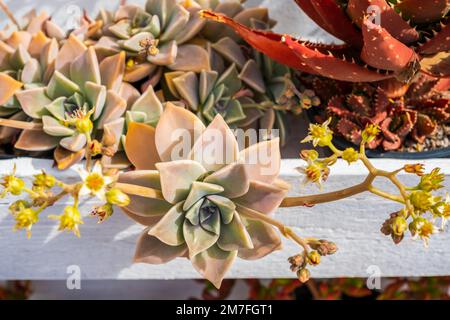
[
  {"x": 36, "y": 24},
  {"x": 85, "y": 68},
  {"x": 149, "y": 221},
  {"x": 112, "y": 133},
  {"x": 65, "y": 159},
  {"x": 166, "y": 56},
  {"x": 74, "y": 143},
  {"x": 389, "y": 19},
  {"x": 419, "y": 11},
  {"x": 139, "y": 71},
  {"x": 214, "y": 263},
  {"x": 37, "y": 44},
  {"x": 267, "y": 42},
  {"x": 263, "y": 197},
  {"x": 234, "y": 236},
  {"x": 337, "y": 22},
  {"x": 198, "y": 191},
  {"x": 205, "y": 150},
  {"x": 175, "y": 126},
  {"x": 54, "y": 31},
  {"x": 112, "y": 71},
  {"x": 262, "y": 160},
  {"x": 170, "y": 228},
  {"x": 197, "y": 238},
  {"x": 264, "y": 238},
  {"x": 19, "y": 38},
  {"x": 383, "y": 51},
  {"x": 440, "y": 42},
  {"x": 70, "y": 50},
  {"x": 332, "y": 67},
  {"x": 8, "y": 86},
  {"x": 114, "y": 108},
  {"x": 143, "y": 206},
  {"x": 152, "y": 251},
  {"x": 177, "y": 177},
  {"x": 149, "y": 104},
  {"x": 96, "y": 97},
  {"x": 129, "y": 93},
  {"x": 227, "y": 177},
  {"x": 191, "y": 58},
  {"x": 36, "y": 140},
  {"x": 33, "y": 102},
  {"x": 140, "y": 146}
]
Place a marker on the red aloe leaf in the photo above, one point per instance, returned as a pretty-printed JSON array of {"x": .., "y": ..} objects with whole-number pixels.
[
  {"x": 443, "y": 85},
  {"x": 267, "y": 42},
  {"x": 337, "y": 22},
  {"x": 393, "y": 88},
  {"x": 381, "y": 104},
  {"x": 437, "y": 65},
  {"x": 297, "y": 54},
  {"x": 389, "y": 19},
  {"x": 440, "y": 42},
  {"x": 349, "y": 130},
  {"x": 359, "y": 104},
  {"x": 383, "y": 51},
  {"x": 392, "y": 141},
  {"x": 330, "y": 66},
  {"x": 425, "y": 127},
  {"x": 336, "y": 106},
  {"x": 420, "y": 11}
]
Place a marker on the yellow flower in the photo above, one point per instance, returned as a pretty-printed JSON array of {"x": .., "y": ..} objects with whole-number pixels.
[
  {"x": 309, "y": 155},
  {"x": 315, "y": 172},
  {"x": 431, "y": 181},
  {"x": 417, "y": 168},
  {"x": 369, "y": 133},
  {"x": 320, "y": 135},
  {"x": 44, "y": 180},
  {"x": 350, "y": 155},
  {"x": 12, "y": 184},
  {"x": 422, "y": 228},
  {"x": 69, "y": 220},
  {"x": 422, "y": 200},
  {"x": 303, "y": 275},
  {"x": 25, "y": 219},
  {"x": 444, "y": 211},
  {"x": 94, "y": 182}
]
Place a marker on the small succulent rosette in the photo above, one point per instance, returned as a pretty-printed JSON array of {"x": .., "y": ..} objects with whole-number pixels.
[
  {"x": 25, "y": 62},
  {"x": 153, "y": 36},
  {"x": 205, "y": 184}
]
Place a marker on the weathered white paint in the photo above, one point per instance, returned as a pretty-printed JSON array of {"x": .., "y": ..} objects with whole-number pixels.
[{"x": 105, "y": 251}]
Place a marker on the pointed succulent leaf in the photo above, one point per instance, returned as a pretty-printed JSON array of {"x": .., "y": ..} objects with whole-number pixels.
[
  {"x": 187, "y": 87},
  {"x": 192, "y": 28},
  {"x": 226, "y": 207},
  {"x": 176, "y": 125},
  {"x": 179, "y": 17},
  {"x": 389, "y": 19},
  {"x": 149, "y": 104},
  {"x": 170, "y": 228},
  {"x": 112, "y": 71},
  {"x": 206, "y": 84},
  {"x": 61, "y": 86},
  {"x": 262, "y": 197},
  {"x": 231, "y": 51},
  {"x": 198, "y": 191},
  {"x": 33, "y": 102},
  {"x": 214, "y": 263},
  {"x": 36, "y": 140},
  {"x": 65, "y": 158},
  {"x": 440, "y": 42},
  {"x": 152, "y": 251},
  {"x": 8, "y": 86},
  {"x": 53, "y": 127},
  {"x": 19, "y": 58},
  {"x": 74, "y": 143},
  {"x": 96, "y": 97},
  {"x": 252, "y": 76},
  {"x": 423, "y": 11},
  {"x": 121, "y": 29},
  {"x": 264, "y": 238},
  {"x": 31, "y": 72},
  {"x": 143, "y": 206},
  {"x": 197, "y": 238},
  {"x": 191, "y": 58},
  {"x": 193, "y": 213},
  {"x": 166, "y": 56},
  {"x": 227, "y": 177},
  {"x": 140, "y": 146},
  {"x": 234, "y": 236},
  {"x": 161, "y": 8},
  {"x": 71, "y": 49},
  {"x": 85, "y": 68},
  {"x": 114, "y": 108},
  {"x": 177, "y": 178},
  {"x": 216, "y": 147}
]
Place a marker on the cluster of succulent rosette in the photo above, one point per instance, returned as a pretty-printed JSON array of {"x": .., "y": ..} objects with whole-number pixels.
[{"x": 151, "y": 97}]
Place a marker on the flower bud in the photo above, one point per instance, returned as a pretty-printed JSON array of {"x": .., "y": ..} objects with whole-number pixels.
[
  {"x": 399, "y": 226},
  {"x": 303, "y": 275},
  {"x": 13, "y": 185},
  {"x": 350, "y": 155},
  {"x": 103, "y": 212},
  {"x": 84, "y": 125},
  {"x": 417, "y": 169},
  {"x": 117, "y": 197},
  {"x": 314, "y": 258},
  {"x": 297, "y": 261},
  {"x": 44, "y": 180}
]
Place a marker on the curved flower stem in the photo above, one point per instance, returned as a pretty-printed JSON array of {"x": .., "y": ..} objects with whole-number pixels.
[
  {"x": 140, "y": 191},
  {"x": 8, "y": 13},
  {"x": 20, "y": 124},
  {"x": 88, "y": 152}
]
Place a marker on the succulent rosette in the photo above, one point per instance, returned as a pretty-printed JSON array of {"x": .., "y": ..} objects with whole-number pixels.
[
  {"x": 202, "y": 192},
  {"x": 154, "y": 36},
  {"x": 25, "y": 62},
  {"x": 81, "y": 99}
]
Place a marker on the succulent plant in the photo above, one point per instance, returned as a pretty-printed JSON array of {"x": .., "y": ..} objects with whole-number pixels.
[
  {"x": 403, "y": 112},
  {"x": 383, "y": 39},
  {"x": 26, "y": 57},
  {"x": 198, "y": 216},
  {"x": 153, "y": 36},
  {"x": 80, "y": 99}
]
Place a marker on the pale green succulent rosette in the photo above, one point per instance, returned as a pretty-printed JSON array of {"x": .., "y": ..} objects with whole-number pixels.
[
  {"x": 203, "y": 191},
  {"x": 81, "y": 100},
  {"x": 154, "y": 36}
]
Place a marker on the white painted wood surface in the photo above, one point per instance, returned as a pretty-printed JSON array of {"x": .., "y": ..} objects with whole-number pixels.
[{"x": 105, "y": 251}]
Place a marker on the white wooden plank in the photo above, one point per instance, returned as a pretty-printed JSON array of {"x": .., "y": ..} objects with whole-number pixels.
[{"x": 105, "y": 251}]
